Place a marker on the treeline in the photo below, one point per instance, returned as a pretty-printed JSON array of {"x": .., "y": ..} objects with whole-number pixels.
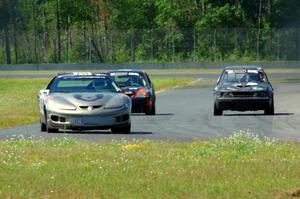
[{"x": 102, "y": 31}]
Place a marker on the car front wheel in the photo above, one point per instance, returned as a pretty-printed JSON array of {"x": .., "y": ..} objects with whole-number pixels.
[
  {"x": 121, "y": 130},
  {"x": 43, "y": 127},
  {"x": 151, "y": 111},
  {"x": 270, "y": 109},
  {"x": 217, "y": 111}
]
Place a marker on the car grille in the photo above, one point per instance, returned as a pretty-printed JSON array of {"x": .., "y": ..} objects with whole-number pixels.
[
  {"x": 242, "y": 94},
  {"x": 90, "y": 107},
  {"x": 245, "y": 94}
]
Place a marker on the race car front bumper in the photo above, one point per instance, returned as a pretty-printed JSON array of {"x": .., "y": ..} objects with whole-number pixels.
[
  {"x": 107, "y": 120},
  {"x": 243, "y": 104}
]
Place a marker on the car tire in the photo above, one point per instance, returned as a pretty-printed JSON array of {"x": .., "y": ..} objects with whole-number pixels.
[
  {"x": 43, "y": 127},
  {"x": 121, "y": 130},
  {"x": 151, "y": 111},
  {"x": 217, "y": 111},
  {"x": 270, "y": 109}
]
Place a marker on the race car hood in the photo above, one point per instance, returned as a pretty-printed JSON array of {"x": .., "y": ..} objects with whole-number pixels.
[
  {"x": 72, "y": 101},
  {"x": 247, "y": 86}
]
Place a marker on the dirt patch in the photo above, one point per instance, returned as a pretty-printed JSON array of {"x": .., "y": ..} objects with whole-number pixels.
[{"x": 295, "y": 193}]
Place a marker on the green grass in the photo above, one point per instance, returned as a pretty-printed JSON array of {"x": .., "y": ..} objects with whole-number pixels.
[
  {"x": 285, "y": 80},
  {"x": 157, "y": 71},
  {"x": 241, "y": 166},
  {"x": 18, "y": 97},
  {"x": 18, "y": 100},
  {"x": 162, "y": 83}
]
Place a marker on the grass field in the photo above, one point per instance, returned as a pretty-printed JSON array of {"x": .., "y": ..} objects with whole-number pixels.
[
  {"x": 241, "y": 166},
  {"x": 157, "y": 71},
  {"x": 18, "y": 97}
]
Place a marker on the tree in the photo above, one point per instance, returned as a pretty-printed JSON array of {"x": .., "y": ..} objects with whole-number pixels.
[
  {"x": 59, "y": 31},
  {"x": 5, "y": 17}
]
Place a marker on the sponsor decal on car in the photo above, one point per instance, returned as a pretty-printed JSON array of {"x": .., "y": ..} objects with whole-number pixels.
[{"x": 88, "y": 98}]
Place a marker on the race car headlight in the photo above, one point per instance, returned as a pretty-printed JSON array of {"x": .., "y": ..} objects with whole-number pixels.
[
  {"x": 115, "y": 103},
  {"x": 142, "y": 93},
  {"x": 255, "y": 88},
  {"x": 219, "y": 93},
  {"x": 114, "y": 106},
  {"x": 55, "y": 104},
  {"x": 261, "y": 94}
]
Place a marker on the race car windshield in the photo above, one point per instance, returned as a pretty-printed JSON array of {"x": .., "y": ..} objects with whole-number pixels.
[
  {"x": 242, "y": 77},
  {"x": 128, "y": 80},
  {"x": 83, "y": 84}
]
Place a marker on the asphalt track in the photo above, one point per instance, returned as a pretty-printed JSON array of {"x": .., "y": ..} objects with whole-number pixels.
[{"x": 186, "y": 114}]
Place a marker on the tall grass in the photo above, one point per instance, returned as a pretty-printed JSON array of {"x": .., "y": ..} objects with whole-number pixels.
[{"x": 241, "y": 166}]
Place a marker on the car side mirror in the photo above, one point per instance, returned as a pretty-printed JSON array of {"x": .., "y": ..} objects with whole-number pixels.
[{"x": 44, "y": 92}]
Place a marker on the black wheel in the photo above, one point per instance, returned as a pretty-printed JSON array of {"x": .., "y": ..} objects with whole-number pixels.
[
  {"x": 270, "y": 109},
  {"x": 121, "y": 130},
  {"x": 151, "y": 111},
  {"x": 217, "y": 111},
  {"x": 43, "y": 127}
]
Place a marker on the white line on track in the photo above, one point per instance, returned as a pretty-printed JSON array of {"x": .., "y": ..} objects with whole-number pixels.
[{"x": 189, "y": 84}]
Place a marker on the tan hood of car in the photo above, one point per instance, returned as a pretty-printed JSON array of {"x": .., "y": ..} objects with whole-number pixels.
[{"x": 87, "y": 99}]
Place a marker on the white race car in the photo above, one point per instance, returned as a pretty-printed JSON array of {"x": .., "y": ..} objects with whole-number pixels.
[{"x": 84, "y": 101}]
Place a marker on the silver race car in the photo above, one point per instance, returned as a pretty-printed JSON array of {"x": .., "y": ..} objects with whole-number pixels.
[
  {"x": 243, "y": 88},
  {"x": 84, "y": 101}
]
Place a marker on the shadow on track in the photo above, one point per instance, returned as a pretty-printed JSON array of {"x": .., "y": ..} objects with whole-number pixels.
[
  {"x": 102, "y": 133},
  {"x": 158, "y": 114},
  {"x": 257, "y": 114}
]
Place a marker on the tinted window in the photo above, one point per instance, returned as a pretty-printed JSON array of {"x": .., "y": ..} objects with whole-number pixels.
[
  {"x": 129, "y": 79},
  {"x": 232, "y": 76},
  {"x": 83, "y": 84}
]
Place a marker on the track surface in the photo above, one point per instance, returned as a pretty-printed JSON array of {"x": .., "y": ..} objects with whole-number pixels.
[{"x": 186, "y": 114}]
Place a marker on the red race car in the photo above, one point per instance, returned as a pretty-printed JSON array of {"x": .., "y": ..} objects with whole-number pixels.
[{"x": 138, "y": 86}]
